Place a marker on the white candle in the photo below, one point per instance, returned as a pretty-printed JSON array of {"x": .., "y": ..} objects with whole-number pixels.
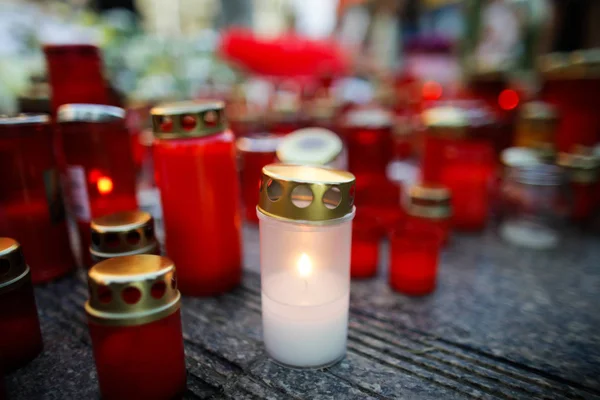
[{"x": 302, "y": 330}]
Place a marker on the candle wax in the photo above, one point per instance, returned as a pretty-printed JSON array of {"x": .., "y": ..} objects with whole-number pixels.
[{"x": 304, "y": 331}]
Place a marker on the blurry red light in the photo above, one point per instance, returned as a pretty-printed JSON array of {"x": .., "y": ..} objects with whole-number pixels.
[
  {"x": 508, "y": 99},
  {"x": 432, "y": 90},
  {"x": 105, "y": 185}
]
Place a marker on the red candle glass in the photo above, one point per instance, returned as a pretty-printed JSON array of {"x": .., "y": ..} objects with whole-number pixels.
[
  {"x": 20, "y": 335},
  {"x": 583, "y": 170},
  {"x": 368, "y": 136},
  {"x": 429, "y": 207},
  {"x": 366, "y": 234},
  {"x": 75, "y": 75},
  {"x": 572, "y": 84},
  {"x": 253, "y": 154},
  {"x": 194, "y": 158},
  {"x": 100, "y": 171},
  {"x": 31, "y": 204},
  {"x": 379, "y": 199},
  {"x": 135, "y": 327},
  {"x": 414, "y": 254}
]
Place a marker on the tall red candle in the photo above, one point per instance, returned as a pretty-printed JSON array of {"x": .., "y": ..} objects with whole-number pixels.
[
  {"x": 135, "y": 327},
  {"x": 583, "y": 169},
  {"x": 196, "y": 164},
  {"x": 414, "y": 257},
  {"x": 31, "y": 204},
  {"x": 99, "y": 167},
  {"x": 429, "y": 207},
  {"x": 20, "y": 336},
  {"x": 75, "y": 75},
  {"x": 254, "y": 152}
]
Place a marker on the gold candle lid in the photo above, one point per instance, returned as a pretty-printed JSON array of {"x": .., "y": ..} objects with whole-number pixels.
[
  {"x": 448, "y": 121},
  {"x": 309, "y": 146},
  {"x": 121, "y": 234},
  {"x": 538, "y": 111},
  {"x": 188, "y": 119},
  {"x": 306, "y": 193},
  {"x": 429, "y": 201},
  {"x": 583, "y": 166},
  {"x": 13, "y": 269},
  {"x": 369, "y": 117},
  {"x": 89, "y": 113},
  {"x": 24, "y": 119},
  {"x": 132, "y": 290}
]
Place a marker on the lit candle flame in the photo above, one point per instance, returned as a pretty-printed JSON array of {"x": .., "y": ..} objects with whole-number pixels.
[{"x": 304, "y": 265}]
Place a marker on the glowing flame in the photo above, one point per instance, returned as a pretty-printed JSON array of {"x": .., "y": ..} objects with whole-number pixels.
[
  {"x": 508, "y": 99},
  {"x": 304, "y": 265},
  {"x": 432, "y": 90},
  {"x": 105, "y": 185}
]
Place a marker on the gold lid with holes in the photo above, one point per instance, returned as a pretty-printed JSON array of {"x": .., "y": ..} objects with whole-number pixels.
[
  {"x": 305, "y": 193},
  {"x": 122, "y": 234},
  {"x": 132, "y": 290},
  {"x": 582, "y": 166},
  {"x": 13, "y": 269},
  {"x": 188, "y": 119},
  {"x": 429, "y": 201}
]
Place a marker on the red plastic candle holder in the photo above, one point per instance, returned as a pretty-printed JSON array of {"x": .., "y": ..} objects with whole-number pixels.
[
  {"x": 135, "y": 327},
  {"x": 414, "y": 254},
  {"x": 75, "y": 75},
  {"x": 366, "y": 235},
  {"x": 583, "y": 169},
  {"x": 20, "y": 335},
  {"x": 194, "y": 158},
  {"x": 429, "y": 207},
  {"x": 99, "y": 167},
  {"x": 379, "y": 199},
  {"x": 367, "y": 133},
  {"x": 31, "y": 203},
  {"x": 254, "y": 153}
]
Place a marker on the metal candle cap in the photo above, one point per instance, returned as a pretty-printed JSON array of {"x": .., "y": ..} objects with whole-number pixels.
[
  {"x": 306, "y": 193},
  {"x": 446, "y": 121},
  {"x": 375, "y": 118},
  {"x": 13, "y": 269},
  {"x": 132, "y": 290},
  {"x": 583, "y": 165},
  {"x": 121, "y": 234},
  {"x": 310, "y": 146},
  {"x": 580, "y": 64},
  {"x": 188, "y": 119},
  {"x": 89, "y": 113},
  {"x": 24, "y": 119},
  {"x": 429, "y": 201},
  {"x": 538, "y": 111}
]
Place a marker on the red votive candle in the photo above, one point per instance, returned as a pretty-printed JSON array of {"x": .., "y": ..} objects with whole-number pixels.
[
  {"x": 572, "y": 84},
  {"x": 100, "y": 171},
  {"x": 194, "y": 158},
  {"x": 254, "y": 153},
  {"x": 414, "y": 254},
  {"x": 75, "y": 75},
  {"x": 429, "y": 208},
  {"x": 379, "y": 199},
  {"x": 20, "y": 336},
  {"x": 366, "y": 234},
  {"x": 583, "y": 168},
  {"x": 135, "y": 327},
  {"x": 367, "y": 133},
  {"x": 31, "y": 203}
]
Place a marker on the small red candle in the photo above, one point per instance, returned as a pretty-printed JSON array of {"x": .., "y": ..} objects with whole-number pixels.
[
  {"x": 366, "y": 235},
  {"x": 414, "y": 254},
  {"x": 429, "y": 208},
  {"x": 583, "y": 169},
  {"x": 100, "y": 171},
  {"x": 572, "y": 84},
  {"x": 31, "y": 203},
  {"x": 20, "y": 336},
  {"x": 367, "y": 133},
  {"x": 379, "y": 199},
  {"x": 194, "y": 157},
  {"x": 254, "y": 153},
  {"x": 135, "y": 327},
  {"x": 75, "y": 75}
]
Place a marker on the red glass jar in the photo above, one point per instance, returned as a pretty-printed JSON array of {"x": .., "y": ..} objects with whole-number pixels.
[
  {"x": 99, "y": 167},
  {"x": 75, "y": 75},
  {"x": 194, "y": 158},
  {"x": 366, "y": 235},
  {"x": 135, "y": 327},
  {"x": 429, "y": 207},
  {"x": 583, "y": 169},
  {"x": 254, "y": 153},
  {"x": 380, "y": 199},
  {"x": 122, "y": 234},
  {"x": 31, "y": 203},
  {"x": 572, "y": 84},
  {"x": 414, "y": 255},
  {"x": 367, "y": 133},
  {"x": 20, "y": 335}
]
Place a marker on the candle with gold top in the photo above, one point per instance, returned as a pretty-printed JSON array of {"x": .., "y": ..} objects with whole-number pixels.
[{"x": 305, "y": 218}]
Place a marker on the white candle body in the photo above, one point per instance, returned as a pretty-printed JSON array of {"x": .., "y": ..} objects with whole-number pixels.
[{"x": 311, "y": 335}]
